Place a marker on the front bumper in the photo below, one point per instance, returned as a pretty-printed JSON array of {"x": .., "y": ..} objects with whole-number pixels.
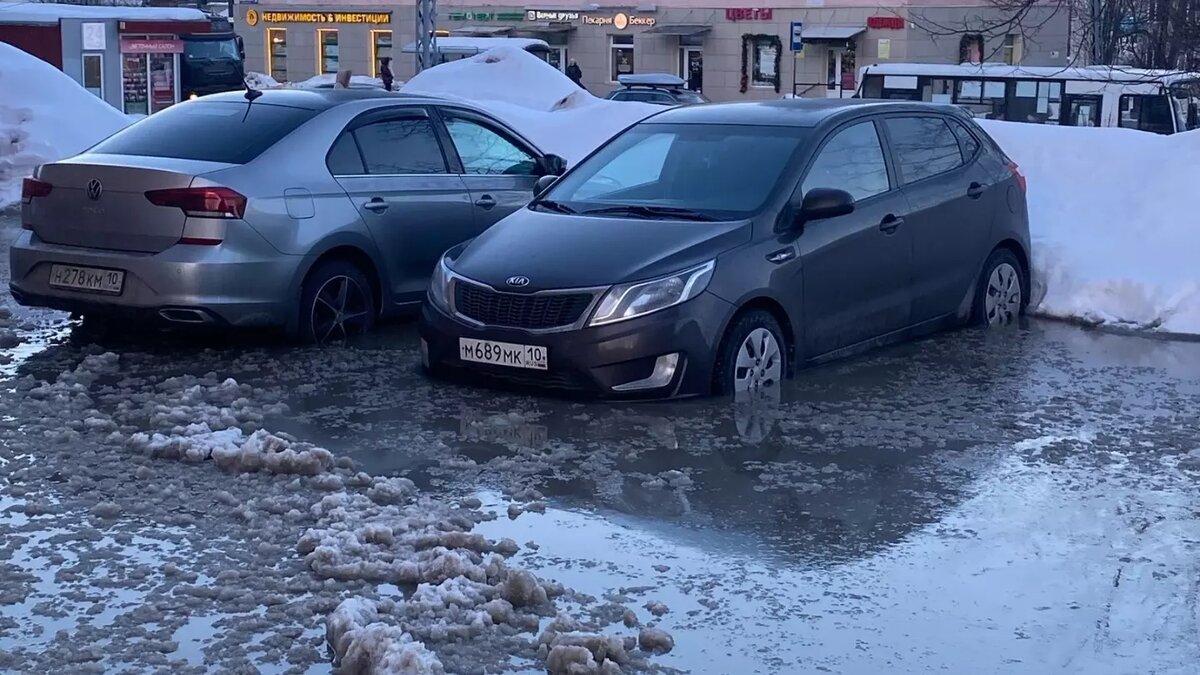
[
  {"x": 241, "y": 282},
  {"x": 593, "y": 361}
]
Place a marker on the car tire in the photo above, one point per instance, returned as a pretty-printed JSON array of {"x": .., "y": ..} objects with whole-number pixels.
[
  {"x": 336, "y": 303},
  {"x": 752, "y": 357},
  {"x": 1001, "y": 295}
]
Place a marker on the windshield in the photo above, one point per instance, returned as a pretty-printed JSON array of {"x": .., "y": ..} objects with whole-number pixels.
[
  {"x": 211, "y": 49},
  {"x": 721, "y": 171}
]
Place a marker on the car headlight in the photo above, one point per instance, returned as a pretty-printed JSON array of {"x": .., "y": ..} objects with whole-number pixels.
[
  {"x": 439, "y": 285},
  {"x": 627, "y": 301}
]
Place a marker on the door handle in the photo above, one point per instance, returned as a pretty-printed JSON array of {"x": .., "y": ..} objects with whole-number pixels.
[
  {"x": 782, "y": 255},
  {"x": 890, "y": 223},
  {"x": 485, "y": 202},
  {"x": 376, "y": 205},
  {"x": 975, "y": 190}
]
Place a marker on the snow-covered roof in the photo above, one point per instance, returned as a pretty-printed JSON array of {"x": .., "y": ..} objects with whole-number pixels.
[
  {"x": 49, "y": 14},
  {"x": 475, "y": 45},
  {"x": 1002, "y": 70}
]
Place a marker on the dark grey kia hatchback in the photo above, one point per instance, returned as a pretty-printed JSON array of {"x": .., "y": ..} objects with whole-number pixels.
[{"x": 713, "y": 249}]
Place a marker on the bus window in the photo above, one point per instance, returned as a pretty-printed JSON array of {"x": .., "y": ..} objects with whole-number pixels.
[
  {"x": 872, "y": 86},
  {"x": 1146, "y": 113},
  {"x": 1186, "y": 97},
  {"x": 984, "y": 98},
  {"x": 892, "y": 87},
  {"x": 1082, "y": 110}
]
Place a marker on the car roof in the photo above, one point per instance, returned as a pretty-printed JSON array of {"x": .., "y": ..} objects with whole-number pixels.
[
  {"x": 318, "y": 99},
  {"x": 796, "y": 112}
]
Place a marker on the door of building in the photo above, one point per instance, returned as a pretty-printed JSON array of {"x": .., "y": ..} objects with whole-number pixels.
[
  {"x": 840, "y": 75},
  {"x": 691, "y": 67}
]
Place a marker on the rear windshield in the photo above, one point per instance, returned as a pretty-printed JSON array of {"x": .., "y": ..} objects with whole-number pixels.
[{"x": 209, "y": 131}]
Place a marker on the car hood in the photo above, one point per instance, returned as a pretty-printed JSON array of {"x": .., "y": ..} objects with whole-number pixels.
[{"x": 565, "y": 251}]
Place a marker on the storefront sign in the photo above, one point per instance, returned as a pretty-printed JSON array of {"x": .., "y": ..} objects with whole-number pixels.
[
  {"x": 552, "y": 17},
  {"x": 748, "y": 14},
  {"x": 151, "y": 46},
  {"x": 253, "y": 16},
  {"x": 886, "y": 22},
  {"x": 620, "y": 20},
  {"x": 485, "y": 16}
]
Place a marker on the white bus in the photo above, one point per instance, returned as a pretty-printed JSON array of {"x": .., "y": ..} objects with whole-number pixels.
[
  {"x": 454, "y": 47},
  {"x": 1159, "y": 101}
]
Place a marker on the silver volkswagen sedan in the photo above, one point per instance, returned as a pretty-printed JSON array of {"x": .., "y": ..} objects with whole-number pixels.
[{"x": 315, "y": 211}]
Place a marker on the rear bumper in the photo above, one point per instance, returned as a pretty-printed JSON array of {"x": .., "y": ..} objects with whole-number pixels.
[
  {"x": 594, "y": 362},
  {"x": 242, "y": 282}
]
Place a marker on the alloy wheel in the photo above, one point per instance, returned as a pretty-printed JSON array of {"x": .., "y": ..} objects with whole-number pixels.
[
  {"x": 341, "y": 309},
  {"x": 759, "y": 363},
  {"x": 1002, "y": 303}
]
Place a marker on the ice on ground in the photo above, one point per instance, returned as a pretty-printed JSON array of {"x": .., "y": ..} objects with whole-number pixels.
[
  {"x": 533, "y": 97},
  {"x": 1113, "y": 225},
  {"x": 44, "y": 116},
  {"x": 361, "y": 644}
]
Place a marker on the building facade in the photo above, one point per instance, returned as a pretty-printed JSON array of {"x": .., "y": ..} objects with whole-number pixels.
[
  {"x": 728, "y": 50},
  {"x": 127, "y": 56}
]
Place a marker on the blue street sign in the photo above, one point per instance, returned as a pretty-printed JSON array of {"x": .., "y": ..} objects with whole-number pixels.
[{"x": 797, "y": 36}]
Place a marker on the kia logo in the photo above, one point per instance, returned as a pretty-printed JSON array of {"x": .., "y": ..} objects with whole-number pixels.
[
  {"x": 518, "y": 281},
  {"x": 94, "y": 189}
]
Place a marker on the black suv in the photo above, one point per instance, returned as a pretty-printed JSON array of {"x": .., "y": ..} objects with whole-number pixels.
[{"x": 659, "y": 89}]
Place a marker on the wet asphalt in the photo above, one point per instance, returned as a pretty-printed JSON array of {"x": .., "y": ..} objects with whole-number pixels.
[{"x": 1023, "y": 501}]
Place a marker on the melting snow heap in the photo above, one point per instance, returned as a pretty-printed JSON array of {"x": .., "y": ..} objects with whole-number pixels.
[
  {"x": 44, "y": 116},
  {"x": 1115, "y": 234},
  {"x": 534, "y": 98}
]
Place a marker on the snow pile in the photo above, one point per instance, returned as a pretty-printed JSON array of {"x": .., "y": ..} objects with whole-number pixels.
[
  {"x": 328, "y": 80},
  {"x": 1113, "y": 224},
  {"x": 44, "y": 116},
  {"x": 534, "y": 98},
  {"x": 262, "y": 81}
]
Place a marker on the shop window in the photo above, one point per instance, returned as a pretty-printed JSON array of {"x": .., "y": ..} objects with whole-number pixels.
[
  {"x": 557, "y": 57},
  {"x": 764, "y": 50},
  {"x": 381, "y": 48},
  {"x": 1147, "y": 113},
  {"x": 1014, "y": 48},
  {"x": 620, "y": 56},
  {"x": 93, "y": 74},
  {"x": 970, "y": 49},
  {"x": 327, "y": 56},
  {"x": 277, "y": 54}
]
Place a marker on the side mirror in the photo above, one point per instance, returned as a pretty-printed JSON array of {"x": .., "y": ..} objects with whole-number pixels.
[
  {"x": 552, "y": 165},
  {"x": 543, "y": 184},
  {"x": 822, "y": 203}
]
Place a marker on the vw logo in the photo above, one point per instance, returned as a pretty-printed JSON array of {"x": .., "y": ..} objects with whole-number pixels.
[
  {"x": 94, "y": 189},
  {"x": 518, "y": 281}
]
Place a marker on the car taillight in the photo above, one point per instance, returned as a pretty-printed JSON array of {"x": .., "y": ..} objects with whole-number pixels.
[
  {"x": 32, "y": 187},
  {"x": 201, "y": 202},
  {"x": 1016, "y": 172}
]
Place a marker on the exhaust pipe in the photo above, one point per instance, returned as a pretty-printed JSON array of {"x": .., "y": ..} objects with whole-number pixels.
[{"x": 192, "y": 316}]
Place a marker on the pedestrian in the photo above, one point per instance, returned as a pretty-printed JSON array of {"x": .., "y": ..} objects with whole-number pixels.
[
  {"x": 385, "y": 72},
  {"x": 575, "y": 73},
  {"x": 693, "y": 81}
]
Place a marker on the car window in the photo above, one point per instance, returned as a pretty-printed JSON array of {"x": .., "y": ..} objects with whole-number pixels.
[
  {"x": 923, "y": 146},
  {"x": 344, "y": 158},
  {"x": 208, "y": 131},
  {"x": 636, "y": 165},
  {"x": 853, "y": 161},
  {"x": 724, "y": 171},
  {"x": 970, "y": 144},
  {"x": 400, "y": 146},
  {"x": 483, "y": 151},
  {"x": 644, "y": 95}
]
